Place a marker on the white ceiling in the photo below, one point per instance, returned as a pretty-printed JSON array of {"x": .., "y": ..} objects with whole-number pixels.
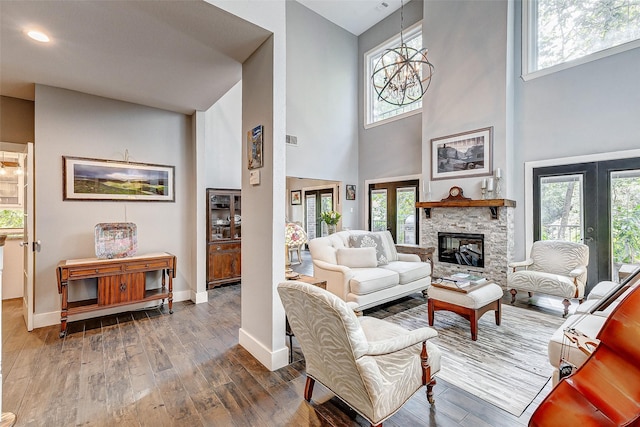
[
  {"x": 355, "y": 16},
  {"x": 175, "y": 55}
]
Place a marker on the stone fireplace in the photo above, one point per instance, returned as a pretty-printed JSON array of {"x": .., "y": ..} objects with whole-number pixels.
[
  {"x": 466, "y": 249},
  {"x": 471, "y": 218}
]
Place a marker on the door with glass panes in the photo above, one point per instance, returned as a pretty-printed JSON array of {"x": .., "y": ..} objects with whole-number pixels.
[
  {"x": 596, "y": 203},
  {"x": 316, "y": 202},
  {"x": 392, "y": 206}
]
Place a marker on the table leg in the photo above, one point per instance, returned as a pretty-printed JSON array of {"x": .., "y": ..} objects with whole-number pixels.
[
  {"x": 64, "y": 309},
  {"x": 171, "y": 291}
]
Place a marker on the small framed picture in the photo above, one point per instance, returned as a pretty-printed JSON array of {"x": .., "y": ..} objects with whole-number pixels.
[
  {"x": 351, "y": 192},
  {"x": 296, "y": 197},
  {"x": 254, "y": 147},
  {"x": 462, "y": 155}
]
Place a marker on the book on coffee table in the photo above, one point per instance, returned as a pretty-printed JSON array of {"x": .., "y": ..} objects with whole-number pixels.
[{"x": 453, "y": 284}]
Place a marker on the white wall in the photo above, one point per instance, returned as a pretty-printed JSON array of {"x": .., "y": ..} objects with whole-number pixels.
[
  {"x": 13, "y": 269},
  {"x": 393, "y": 149},
  {"x": 322, "y": 101},
  {"x": 467, "y": 43},
  {"x": 70, "y": 123},
  {"x": 223, "y": 141}
]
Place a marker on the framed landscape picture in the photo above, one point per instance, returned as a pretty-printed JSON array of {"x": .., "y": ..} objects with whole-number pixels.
[
  {"x": 96, "y": 179},
  {"x": 462, "y": 155}
]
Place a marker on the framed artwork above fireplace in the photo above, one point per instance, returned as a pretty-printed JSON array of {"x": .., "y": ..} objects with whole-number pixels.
[{"x": 462, "y": 155}]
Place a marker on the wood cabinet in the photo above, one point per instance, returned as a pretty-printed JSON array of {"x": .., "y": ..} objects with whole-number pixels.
[
  {"x": 224, "y": 235},
  {"x": 119, "y": 282}
]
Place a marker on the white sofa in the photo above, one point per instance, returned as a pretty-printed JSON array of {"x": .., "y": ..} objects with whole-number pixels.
[
  {"x": 360, "y": 274},
  {"x": 589, "y": 318}
]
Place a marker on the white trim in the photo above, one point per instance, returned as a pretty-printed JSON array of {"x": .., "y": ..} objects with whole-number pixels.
[
  {"x": 40, "y": 320},
  {"x": 527, "y": 53},
  {"x": 272, "y": 360},
  {"x": 199, "y": 297},
  {"x": 393, "y": 119},
  {"x": 528, "y": 181},
  {"x": 367, "y": 182}
]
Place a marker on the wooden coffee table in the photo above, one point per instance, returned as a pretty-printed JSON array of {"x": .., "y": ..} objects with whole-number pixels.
[{"x": 470, "y": 302}]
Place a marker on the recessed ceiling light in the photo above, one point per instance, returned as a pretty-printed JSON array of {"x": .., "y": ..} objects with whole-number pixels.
[{"x": 38, "y": 36}]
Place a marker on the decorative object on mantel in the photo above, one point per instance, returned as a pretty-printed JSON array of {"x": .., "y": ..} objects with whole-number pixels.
[
  {"x": 402, "y": 75},
  {"x": 498, "y": 177},
  {"x": 455, "y": 193},
  {"x": 116, "y": 240},
  {"x": 492, "y": 204},
  {"x": 96, "y": 179},
  {"x": 462, "y": 155}
]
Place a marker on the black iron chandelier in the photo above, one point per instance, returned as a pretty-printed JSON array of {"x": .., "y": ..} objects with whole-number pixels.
[{"x": 402, "y": 75}]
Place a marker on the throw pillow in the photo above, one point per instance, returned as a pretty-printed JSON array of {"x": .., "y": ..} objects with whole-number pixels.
[
  {"x": 357, "y": 257},
  {"x": 370, "y": 240}
]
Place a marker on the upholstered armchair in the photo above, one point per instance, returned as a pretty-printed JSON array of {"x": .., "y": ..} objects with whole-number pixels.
[
  {"x": 554, "y": 267},
  {"x": 372, "y": 365}
]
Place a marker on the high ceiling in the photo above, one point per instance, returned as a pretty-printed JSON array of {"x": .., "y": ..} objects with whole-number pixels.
[
  {"x": 175, "y": 55},
  {"x": 355, "y": 16}
]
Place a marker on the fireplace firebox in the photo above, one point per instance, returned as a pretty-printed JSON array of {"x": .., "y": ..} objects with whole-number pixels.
[{"x": 461, "y": 248}]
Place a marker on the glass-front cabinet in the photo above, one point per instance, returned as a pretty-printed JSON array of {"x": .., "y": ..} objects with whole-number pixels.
[{"x": 224, "y": 234}]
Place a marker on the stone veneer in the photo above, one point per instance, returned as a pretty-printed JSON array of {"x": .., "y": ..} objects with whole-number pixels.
[{"x": 498, "y": 238}]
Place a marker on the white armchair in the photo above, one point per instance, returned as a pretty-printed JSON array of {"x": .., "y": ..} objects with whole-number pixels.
[
  {"x": 554, "y": 267},
  {"x": 372, "y": 365}
]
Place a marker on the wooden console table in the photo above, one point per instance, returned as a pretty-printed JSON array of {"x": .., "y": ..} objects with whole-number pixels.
[{"x": 120, "y": 282}]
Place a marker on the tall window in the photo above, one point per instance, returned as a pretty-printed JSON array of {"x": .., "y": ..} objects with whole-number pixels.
[
  {"x": 558, "y": 34},
  {"x": 378, "y": 111}
]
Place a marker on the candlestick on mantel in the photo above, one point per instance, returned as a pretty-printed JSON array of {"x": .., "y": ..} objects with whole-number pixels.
[
  {"x": 498, "y": 173},
  {"x": 484, "y": 184},
  {"x": 490, "y": 184}
]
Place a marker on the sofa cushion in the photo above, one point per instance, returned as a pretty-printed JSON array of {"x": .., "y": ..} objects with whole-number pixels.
[
  {"x": 602, "y": 289},
  {"x": 560, "y": 346},
  {"x": 368, "y": 280},
  {"x": 357, "y": 257},
  {"x": 545, "y": 283},
  {"x": 409, "y": 271},
  {"x": 370, "y": 240}
]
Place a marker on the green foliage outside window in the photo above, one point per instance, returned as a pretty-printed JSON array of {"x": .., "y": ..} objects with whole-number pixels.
[{"x": 11, "y": 218}]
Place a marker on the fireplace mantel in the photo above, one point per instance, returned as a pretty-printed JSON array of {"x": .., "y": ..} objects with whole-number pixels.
[{"x": 492, "y": 204}]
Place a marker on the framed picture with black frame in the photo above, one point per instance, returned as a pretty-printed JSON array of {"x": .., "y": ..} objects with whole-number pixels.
[
  {"x": 351, "y": 192},
  {"x": 296, "y": 197}
]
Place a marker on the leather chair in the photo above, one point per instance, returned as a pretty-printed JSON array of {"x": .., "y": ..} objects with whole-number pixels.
[
  {"x": 554, "y": 267},
  {"x": 372, "y": 365}
]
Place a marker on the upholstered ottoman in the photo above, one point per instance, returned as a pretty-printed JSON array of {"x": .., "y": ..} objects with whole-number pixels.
[{"x": 471, "y": 305}]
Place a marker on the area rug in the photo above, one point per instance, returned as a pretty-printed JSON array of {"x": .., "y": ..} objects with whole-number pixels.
[{"x": 507, "y": 366}]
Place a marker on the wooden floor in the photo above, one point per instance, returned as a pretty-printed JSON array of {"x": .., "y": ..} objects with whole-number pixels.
[{"x": 149, "y": 368}]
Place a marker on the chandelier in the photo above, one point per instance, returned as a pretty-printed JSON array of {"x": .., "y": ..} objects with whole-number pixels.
[{"x": 398, "y": 77}]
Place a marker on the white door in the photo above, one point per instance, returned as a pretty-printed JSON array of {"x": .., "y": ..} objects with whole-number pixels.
[{"x": 28, "y": 244}]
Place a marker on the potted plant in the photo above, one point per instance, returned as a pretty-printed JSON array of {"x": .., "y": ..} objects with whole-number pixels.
[{"x": 331, "y": 218}]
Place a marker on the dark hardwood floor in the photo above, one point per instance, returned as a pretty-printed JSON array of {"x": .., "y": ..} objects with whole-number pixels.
[{"x": 149, "y": 368}]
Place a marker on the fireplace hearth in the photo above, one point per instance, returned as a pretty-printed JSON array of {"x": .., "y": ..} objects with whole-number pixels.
[{"x": 465, "y": 249}]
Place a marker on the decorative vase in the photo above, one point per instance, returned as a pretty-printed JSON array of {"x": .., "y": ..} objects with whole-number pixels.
[{"x": 331, "y": 228}]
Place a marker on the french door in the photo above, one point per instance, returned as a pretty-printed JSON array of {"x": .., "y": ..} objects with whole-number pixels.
[
  {"x": 596, "y": 203},
  {"x": 392, "y": 207},
  {"x": 316, "y": 202}
]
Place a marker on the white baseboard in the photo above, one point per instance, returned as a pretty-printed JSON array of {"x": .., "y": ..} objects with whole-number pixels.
[
  {"x": 40, "y": 320},
  {"x": 199, "y": 297},
  {"x": 272, "y": 360}
]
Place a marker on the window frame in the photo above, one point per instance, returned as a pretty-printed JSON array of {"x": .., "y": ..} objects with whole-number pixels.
[
  {"x": 369, "y": 92},
  {"x": 528, "y": 52}
]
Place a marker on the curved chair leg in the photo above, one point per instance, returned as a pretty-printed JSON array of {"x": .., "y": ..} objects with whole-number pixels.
[
  {"x": 308, "y": 389},
  {"x": 566, "y": 304},
  {"x": 430, "y": 397},
  {"x": 513, "y": 293}
]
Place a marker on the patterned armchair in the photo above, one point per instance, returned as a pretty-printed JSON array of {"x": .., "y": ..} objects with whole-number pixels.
[
  {"x": 555, "y": 267},
  {"x": 372, "y": 365}
]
